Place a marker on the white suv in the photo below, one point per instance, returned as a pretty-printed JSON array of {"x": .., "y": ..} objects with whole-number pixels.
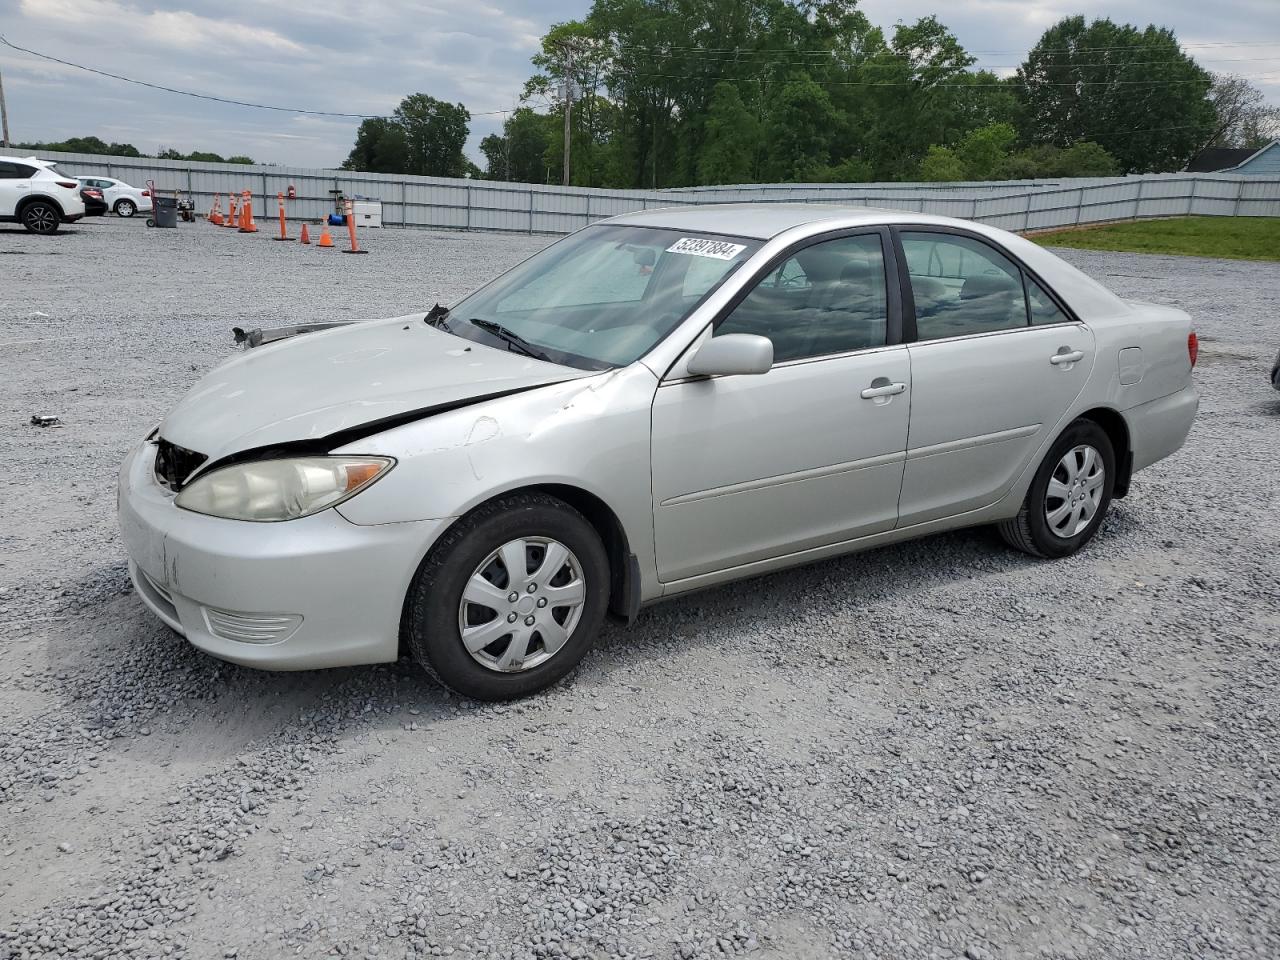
[
  {"x": 34, "y": 194},
  {"x": 122, "y": 199}
]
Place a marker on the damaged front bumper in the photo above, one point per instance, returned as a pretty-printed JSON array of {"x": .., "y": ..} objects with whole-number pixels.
[{"x": 316, "y": 592}]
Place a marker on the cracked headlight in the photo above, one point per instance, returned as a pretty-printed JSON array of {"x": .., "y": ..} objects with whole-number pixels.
[{"x": 273, "y": 490}]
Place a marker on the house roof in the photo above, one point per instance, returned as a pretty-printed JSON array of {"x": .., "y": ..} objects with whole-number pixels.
[{"x": 1216, "y": 159}]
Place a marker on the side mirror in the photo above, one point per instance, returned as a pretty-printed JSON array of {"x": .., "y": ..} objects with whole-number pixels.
[{"x": 732, "y": 354}]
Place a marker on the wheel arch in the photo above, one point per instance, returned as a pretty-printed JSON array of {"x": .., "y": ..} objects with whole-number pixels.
[
  {"x": 624, "y": 569},
  {"x": 35, "y": 198},
  {"x": 1117, "y": 429}
]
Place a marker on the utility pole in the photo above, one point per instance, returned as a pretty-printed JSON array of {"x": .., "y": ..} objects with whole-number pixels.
[
  {"x": 4, "y": 118},
  {"x": 568, "y": 107}
]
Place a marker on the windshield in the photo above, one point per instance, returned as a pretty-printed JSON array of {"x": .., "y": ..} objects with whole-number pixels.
[{"x": 602, "y": 297}]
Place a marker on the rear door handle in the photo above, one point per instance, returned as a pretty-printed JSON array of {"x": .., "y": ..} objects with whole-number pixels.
[
  {"x": 1070, "y": 357},
  {"x": 882, "y": 388}
]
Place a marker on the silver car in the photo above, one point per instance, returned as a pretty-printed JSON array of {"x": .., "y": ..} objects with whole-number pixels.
[{"x": 657, "y": 403}]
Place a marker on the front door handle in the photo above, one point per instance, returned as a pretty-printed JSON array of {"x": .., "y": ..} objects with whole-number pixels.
[
  {"x": 882, "y": 387},
  {"x": 1070, "y": 356}
]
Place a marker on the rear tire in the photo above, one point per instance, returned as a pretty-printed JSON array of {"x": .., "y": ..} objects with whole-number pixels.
[
  {"x": 1069, "y": 495},
  {"x": 126, "y": 208},
  {"x": 41, "y": 217},
  {"x": 525, "y": 650}
]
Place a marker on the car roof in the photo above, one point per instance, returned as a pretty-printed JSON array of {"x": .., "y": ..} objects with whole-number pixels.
[
  {"x": 764, "y": 221},
  {"x": 30, "y": 160}
]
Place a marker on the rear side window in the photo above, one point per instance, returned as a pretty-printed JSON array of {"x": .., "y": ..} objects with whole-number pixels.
[
  {"x": 962, "y": 286},
  {"x": 15, "y": 171},
  {"x": 1043, "y": 309}
]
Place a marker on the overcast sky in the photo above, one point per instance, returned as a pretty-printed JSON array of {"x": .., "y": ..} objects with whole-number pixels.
[{"x": 362, "y": 57}]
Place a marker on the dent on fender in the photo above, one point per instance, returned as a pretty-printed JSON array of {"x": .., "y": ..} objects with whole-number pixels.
[
  {"x": 582, "y": 403},
  {"x": 485, "y": 428}
]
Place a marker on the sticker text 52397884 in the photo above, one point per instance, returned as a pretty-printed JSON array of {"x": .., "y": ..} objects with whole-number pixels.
[{"x": 716, "y": 249}]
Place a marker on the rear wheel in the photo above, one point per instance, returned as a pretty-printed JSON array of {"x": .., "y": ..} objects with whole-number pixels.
[
  {"x": 1069, "y": 496},
  {"x": 126, "y": 208},
  {"x": 40, "y": 216},
  {"x": 511, "y": 598}
]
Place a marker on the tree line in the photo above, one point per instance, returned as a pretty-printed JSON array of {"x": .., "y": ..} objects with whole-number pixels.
[
  {"x": 670, "y": 93},
  {"x": 98, "y": 146}
]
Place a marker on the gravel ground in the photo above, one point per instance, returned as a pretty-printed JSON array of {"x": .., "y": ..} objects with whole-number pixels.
[{"x": 938, "y": 749}]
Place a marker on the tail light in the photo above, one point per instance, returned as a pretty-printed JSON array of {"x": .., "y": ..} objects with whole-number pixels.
[
  {"x": 69, "y": 184},
  {"x": 1193, "y": 347},
  {"x": 146, "y": 193}
]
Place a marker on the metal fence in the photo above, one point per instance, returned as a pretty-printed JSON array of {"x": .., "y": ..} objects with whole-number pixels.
[{"x": 444, "y": 203}]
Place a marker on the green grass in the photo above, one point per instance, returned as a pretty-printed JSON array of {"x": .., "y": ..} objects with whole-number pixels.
[{"x": 1230, "y": 238}]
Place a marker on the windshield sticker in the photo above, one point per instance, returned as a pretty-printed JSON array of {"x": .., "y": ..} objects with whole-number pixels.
[{"x": 715, "y": 249}]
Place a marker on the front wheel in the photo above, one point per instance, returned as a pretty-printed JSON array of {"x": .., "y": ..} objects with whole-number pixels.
[
  {"x": 126, "y": 208},
  {"x": 1068, "y": 497},
  {"x": 511, "y": 598},
  {"x": 41, "y": 217}
]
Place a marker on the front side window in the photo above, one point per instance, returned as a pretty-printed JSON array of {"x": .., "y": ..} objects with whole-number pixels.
[
  {"x": 827, "y": 298},
  {"x": 602, "y": 297},
  {"x": 961, "y": 286}
]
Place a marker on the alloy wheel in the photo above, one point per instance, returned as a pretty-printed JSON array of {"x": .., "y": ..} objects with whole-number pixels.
[
  {"x": 521, "y": 604},
  {"x": 40, "y": 218},
  {"x": 1075, "y": 491}
]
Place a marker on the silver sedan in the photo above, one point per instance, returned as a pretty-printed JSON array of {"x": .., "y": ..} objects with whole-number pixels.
[{"x": 657, "y": 403}]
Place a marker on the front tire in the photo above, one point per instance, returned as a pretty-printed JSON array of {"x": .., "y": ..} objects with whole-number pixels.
[
  {"x": 1069, "y": 495},
  {"x": 126, "y": 208},
  {"x": 41, "y": 217},
  {"x": 511, "y": 598}
]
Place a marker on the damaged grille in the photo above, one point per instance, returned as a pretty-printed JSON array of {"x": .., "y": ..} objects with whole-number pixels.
[{"x": 174, "y": 464}]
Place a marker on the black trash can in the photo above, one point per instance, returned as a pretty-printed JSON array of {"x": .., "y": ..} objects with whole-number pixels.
[{"x": 164, "y": 211}]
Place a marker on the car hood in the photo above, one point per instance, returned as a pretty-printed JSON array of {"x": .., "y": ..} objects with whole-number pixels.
[{"x": 336, "y": 381}]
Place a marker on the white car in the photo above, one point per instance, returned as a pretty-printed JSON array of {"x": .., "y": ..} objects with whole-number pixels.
[
  {"x": 122, "y": 199},
  {"x": 659, "y": 402},
  {"x": 35, "y": 194}
]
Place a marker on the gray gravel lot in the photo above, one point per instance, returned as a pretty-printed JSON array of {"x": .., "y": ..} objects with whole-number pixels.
[{"x": 938, "y": 749}]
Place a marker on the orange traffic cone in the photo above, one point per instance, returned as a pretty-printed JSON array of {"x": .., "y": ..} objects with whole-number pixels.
[
  {"x": 280, "y": 208},
  {"x": 232, "y": 204},
  {"x": 247, "y": 225},
  {"x": 325, "y": 239},
  {"x": 306, "y": 235},
  {"x": 215, "y": 212},
  {"x": 351, "y": 229}
]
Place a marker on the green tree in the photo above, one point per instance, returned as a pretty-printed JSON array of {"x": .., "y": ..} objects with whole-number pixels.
[
  {"x": 1132, "y": 91},
  {"x": 519, "y": 152},
  {"x": 940, "y": 164},
  {"x": 84, "y": 145},
  {"x": 434, "y": 135},
  {"x": 731, "y": 139},
  {"x": 984, "y": 152},
  {"x": 380, "y": 147},
  {"x": 1086, "y": 159},
  {"x": 798, "y": 133}
]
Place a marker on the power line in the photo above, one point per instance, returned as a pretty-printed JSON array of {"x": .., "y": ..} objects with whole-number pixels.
[{"x": 215, "y": 99}]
